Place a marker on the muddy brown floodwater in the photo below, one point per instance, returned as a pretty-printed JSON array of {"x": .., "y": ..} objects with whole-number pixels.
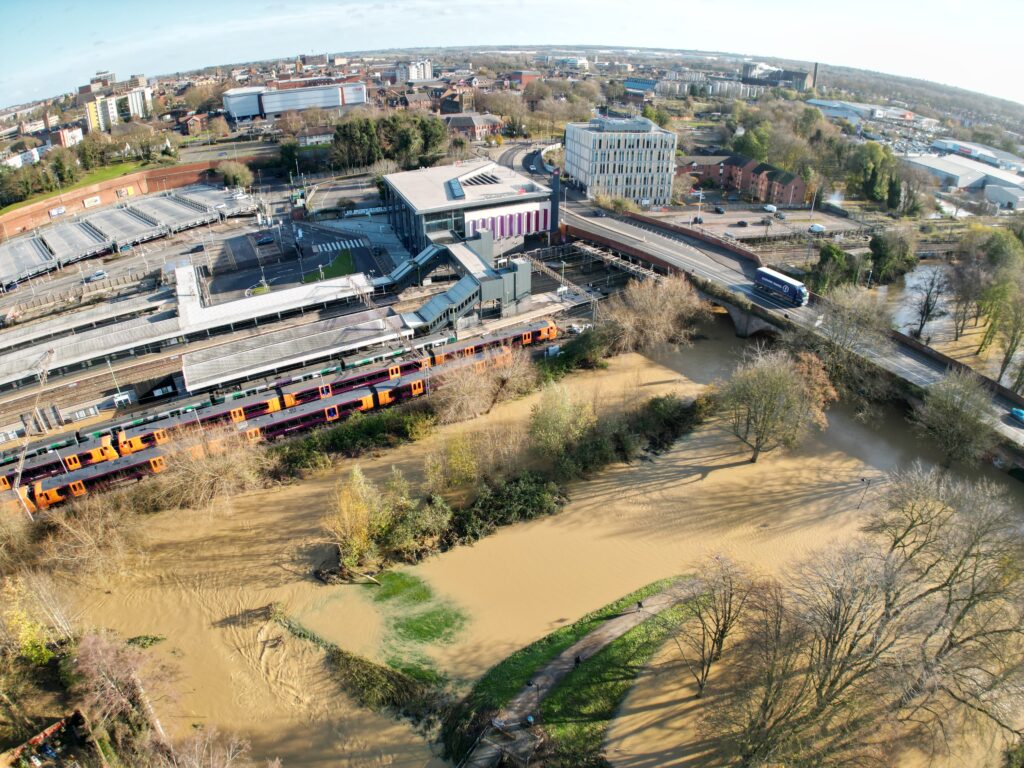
[{"x": 207, "y": 577}]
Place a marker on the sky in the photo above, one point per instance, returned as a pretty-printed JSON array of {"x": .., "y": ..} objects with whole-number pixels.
[{"x": 47, "y": 48}]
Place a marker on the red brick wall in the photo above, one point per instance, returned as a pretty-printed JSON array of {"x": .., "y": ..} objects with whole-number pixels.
[{"x": 143, "y": 182}]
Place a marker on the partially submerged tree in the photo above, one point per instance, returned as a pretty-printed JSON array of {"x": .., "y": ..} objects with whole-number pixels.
[
  {"x": 955, "y": 415},
  {"x": 649, "y": 313},
  {"x": 928, "y": 299},
  {"x": 773, "y": 400}
]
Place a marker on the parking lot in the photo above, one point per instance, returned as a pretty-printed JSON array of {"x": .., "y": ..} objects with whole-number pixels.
[
  {"x": 72, "y": 240},
  {"x": 23, "y": 255},
  {"x": 796, "y": 221},
  {"x": 171, "y": 213},
  {"x": 121, "y": 225}
]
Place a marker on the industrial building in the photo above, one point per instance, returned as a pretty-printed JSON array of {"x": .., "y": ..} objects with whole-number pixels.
[
  {"x": 622, "y": 157},
  {"x": 247, "y": 103},
  {"x": 980, "y": 152},
  {"x": 957, "y": 172},
  {"x": 450, "y": 202}
]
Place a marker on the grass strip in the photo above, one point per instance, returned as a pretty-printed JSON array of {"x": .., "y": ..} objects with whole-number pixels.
[
  {"x": 578, "y": 711},
  {"x": 504, "y": 680},
  {"x": 372, "y": 685},
  {"x": 342, "y": 265}
]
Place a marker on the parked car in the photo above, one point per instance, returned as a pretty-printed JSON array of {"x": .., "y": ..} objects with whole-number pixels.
[
  {"x": 1017, "y": 414},
  {"x": 766, "y": 221},
  {"x": 780, "y": 216},
  {"x": 742, "y": 223},
  {"x": 197, "y": 248},
  {"x": 12, "y": 286},
  {"x": 816, "y": 229},
  {"x": 698, "y": 219},
  {"x": 264, "y": 240},
  {"x": 719, "y": 209},
  {"x": 769, "y": 208},
  {"x": 99, "y": 274},
  {"x": 599, "y": 214}
]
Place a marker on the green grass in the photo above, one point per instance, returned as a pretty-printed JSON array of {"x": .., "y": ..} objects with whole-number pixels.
[
  {"x": 400, "y": 587},
  {"x": 438, "y": 624},
  {"x": 504, "y": 680},
  {"x": 342, "y": 265},
  {"x": 577, "y": 713},
  {"x": 92, "y": 177}
]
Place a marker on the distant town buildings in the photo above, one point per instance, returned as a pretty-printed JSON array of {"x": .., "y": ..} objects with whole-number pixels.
[
  {"x": 521, "y": 78},
  {"x": 759, "y": 73},
  {"x": 962, "y": 173},
  {"x": 473, "y": 127},
  {"x": 414, "y": 71},
  {"x": 855, "y": 113},
  {"x": 263, "y": 101},
  {"x": 101, "y": 114},
  {"x": 630, "y": 158},
  {"x": 66, "y": 137}
]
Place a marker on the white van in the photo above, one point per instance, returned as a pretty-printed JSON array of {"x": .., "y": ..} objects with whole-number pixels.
[{"x": 770, "y": 208}]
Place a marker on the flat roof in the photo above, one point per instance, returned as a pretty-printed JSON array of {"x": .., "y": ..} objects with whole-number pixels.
[
  {"x": 290, "y": 347},
  {"x": 477, "y": 182},
  {"x": 619, "y": 125},
  {"x": 964, "y": 167}
]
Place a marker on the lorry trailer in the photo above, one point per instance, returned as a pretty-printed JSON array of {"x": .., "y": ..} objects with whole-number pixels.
[{"x": 781, "y": 286}]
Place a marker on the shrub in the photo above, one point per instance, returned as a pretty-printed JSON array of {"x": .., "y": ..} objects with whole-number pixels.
[{"x": 523, "y": 497}]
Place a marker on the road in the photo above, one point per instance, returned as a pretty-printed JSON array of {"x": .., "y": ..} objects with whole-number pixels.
[
  {"x": 201, "y": 152},
  {"x": 736, "y": 274}
]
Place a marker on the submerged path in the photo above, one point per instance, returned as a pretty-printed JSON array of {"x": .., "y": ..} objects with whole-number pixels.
[{"x": 506, "y": 733}]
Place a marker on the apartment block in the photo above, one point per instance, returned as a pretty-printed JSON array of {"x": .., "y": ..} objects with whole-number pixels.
[{"x": 621, "y": 157}]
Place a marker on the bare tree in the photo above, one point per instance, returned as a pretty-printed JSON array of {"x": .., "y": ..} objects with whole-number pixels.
[
  {"x": 774, "y": 399},
  {"x": 967, "y": 285},
  {"x": 108, "y": 681},
  {"x": 955, "y": 414},
  {"x": 928, "y": 299},
  {"x": 947, "y": 544},
  {"x": 716, "y": 596},
  {"x": 649, "y": 313},
  {"x": 851, "y": 325},
  {"x": 465, "y": 392}
]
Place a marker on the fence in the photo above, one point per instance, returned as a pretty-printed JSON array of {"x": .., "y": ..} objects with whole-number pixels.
[{"x": 80, "y": 294}]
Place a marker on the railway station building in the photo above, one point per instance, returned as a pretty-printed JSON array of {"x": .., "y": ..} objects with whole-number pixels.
[{"x": 451, "y": 203}]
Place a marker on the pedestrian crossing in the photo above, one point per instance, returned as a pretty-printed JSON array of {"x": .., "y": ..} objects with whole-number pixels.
[{"x": 338, "y": 245}]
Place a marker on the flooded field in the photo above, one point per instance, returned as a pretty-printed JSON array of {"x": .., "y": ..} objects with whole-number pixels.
[
  {"x": 898, "y": 300},
  {"x": 207, "y": 578}
]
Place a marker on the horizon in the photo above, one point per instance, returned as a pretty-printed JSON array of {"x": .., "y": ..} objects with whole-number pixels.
[{"x": 232, "y": 32}]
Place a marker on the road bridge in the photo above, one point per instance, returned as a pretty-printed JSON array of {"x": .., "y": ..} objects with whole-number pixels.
[{"x": 724, "y": 265}]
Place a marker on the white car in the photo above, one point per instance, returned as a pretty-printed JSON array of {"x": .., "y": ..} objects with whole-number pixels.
[
  {"x": 769, "y": 208},
  {"x": 816, "y": 229},
  {"x": 99, "y": 274}
]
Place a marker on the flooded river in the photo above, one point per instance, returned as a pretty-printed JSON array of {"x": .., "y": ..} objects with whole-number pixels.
[{"x": 206, "y": 577}]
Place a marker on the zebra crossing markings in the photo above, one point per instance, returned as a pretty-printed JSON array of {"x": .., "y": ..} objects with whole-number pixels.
[{"x": 337, "y": 245}]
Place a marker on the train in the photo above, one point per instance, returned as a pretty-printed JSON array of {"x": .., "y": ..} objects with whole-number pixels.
[{"x": 134, "y": 449}]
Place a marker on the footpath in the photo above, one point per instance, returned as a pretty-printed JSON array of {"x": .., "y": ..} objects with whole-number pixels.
[{"x": 508, "y": 733}]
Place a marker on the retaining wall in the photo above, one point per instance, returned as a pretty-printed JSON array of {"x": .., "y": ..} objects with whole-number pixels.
[{"x": 130, "y": 185}]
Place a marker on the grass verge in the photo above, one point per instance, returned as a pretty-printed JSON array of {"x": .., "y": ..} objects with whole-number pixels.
[
  {"x": 342, "y": 265},
  {"x": 577, "y": 713},
  {"x": 504, "y": 680},
  {"x": 92, "y": 177}
]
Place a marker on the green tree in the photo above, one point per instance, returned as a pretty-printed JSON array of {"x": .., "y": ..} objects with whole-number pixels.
[
  {"x": 754, "y": 143},
  {"x": 892, "y": 254},
  {"x": 773, "y": 400},
  {"x": 894, "y": 196},
  {"x": 289, "y": 156},
  {"x": 235, "y": 174}
]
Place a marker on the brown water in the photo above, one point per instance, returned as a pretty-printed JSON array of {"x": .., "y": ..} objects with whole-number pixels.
[{"x": 207, "y": 576}]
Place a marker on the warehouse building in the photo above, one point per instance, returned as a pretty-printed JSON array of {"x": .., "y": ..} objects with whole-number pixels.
[
  {"x": 956, "y": 172},
  {"x": 980, "y": 152},
  {"x": 247, "y": 103},
  {"x": 622, "y": 157},
  {"x": 453, "y": 202}
]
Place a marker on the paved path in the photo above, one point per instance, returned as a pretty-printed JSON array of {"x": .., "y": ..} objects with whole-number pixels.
[{"x": 519, "y": 741}]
